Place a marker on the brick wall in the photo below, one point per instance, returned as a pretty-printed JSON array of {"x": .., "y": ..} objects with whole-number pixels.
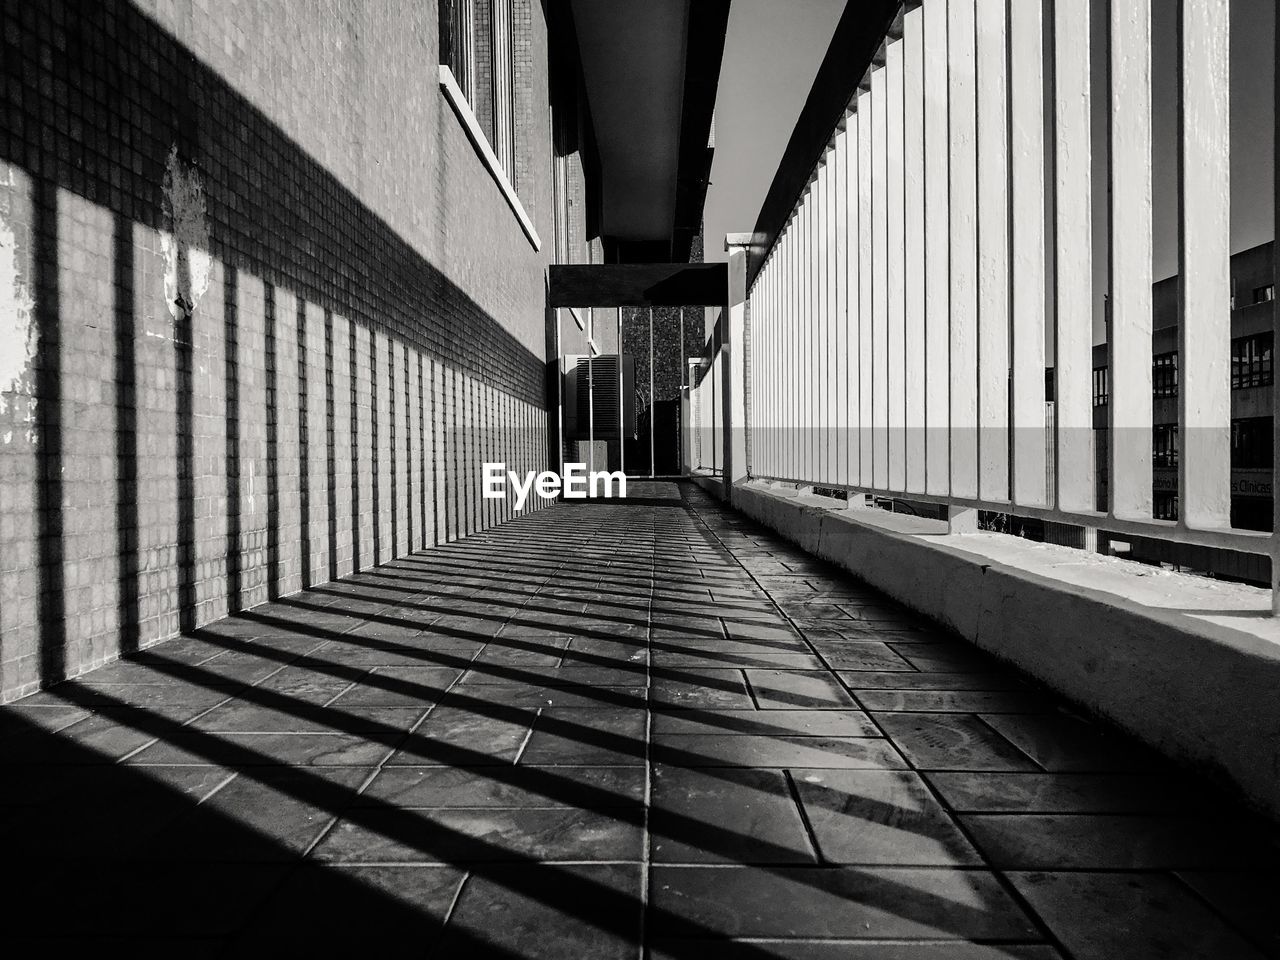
[{"x": 359, "y": 320}]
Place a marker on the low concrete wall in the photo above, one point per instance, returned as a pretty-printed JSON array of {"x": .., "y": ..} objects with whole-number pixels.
[{"x": 1188, "y": 665}]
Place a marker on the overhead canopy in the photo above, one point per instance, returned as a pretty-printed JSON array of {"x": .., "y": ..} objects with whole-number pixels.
[{"x": 651, "y": 70}]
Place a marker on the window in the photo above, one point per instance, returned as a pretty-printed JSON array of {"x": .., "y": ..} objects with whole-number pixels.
[
  {"x": 1101, "y": 386},
  {"x": 1251, "y": 443},
  {"x": 1264, "y": 294},
  {"x": 1164, "y": 445},
  {"x": 1165, "y": 506},
  {"x": 476, "y": 45},
  {"x": 1164, "y": 374},
  {"x": 1251, "y": 361}
]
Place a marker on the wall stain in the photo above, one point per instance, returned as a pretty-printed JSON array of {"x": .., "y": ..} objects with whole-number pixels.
[
  {"x": 187, "y": 261},
  {"x": 18, "y": 334}
]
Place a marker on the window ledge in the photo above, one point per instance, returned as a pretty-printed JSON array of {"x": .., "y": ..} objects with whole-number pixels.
[{"x": 453, "y": 93}]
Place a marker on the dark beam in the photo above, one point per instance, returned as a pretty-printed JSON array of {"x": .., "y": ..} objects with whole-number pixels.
[
  {"x": 708, "y": 24},
  {"x": 637, "y": 285},
  {"x": 858, "y": 35}
]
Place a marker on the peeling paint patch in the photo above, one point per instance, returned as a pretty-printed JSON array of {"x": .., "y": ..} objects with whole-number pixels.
[
  {"x": 18, "y": 335},
  {"x": 185, "y": 244}
]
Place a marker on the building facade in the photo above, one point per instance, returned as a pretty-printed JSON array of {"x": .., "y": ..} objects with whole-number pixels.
[
  {"x": 272, "y": 281},
  {"x": 1252, "y": 372}
]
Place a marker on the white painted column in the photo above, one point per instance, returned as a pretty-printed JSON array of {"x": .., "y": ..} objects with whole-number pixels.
[
  {"x": 830, "y": 351},
  {"x": 1204, "y": 266},
  {"x": 895, "y": 198},
  {"x": 800, "y": 335},
  {"x": 865, "y": 299},
  {"x": 937, "y": 332},
  {"x": 1027, "y": 146},
  {"x": 840, "y": 162},
  {"x": 805, "y": 339},
  {"x": 766, "y": 363},
  {"x": 791, "y": 446},
  {"x": 913, "y": 244},
  {"x": 814, "y": 331},
  {"x": 963, "y": 220},
  {"x": 993, "y": 248},
  {"x": 761, "y": 361},
  {"x": 733, "y": 366},
  {"x": 818, "y": 337},
  {"x": 880, "y": 277},
  {"x": 1073, "y": 202},
  {"x": 853, "y": 260}
]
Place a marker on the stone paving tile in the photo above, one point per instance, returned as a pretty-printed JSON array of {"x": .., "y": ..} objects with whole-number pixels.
[
  {"x": 569, "y": 912},
  {"x": 489, "y": 745},
  {"x": 800, "y": 723},
  {"x": 847, "y": 950},
  {"x": 974, "y": 792},
  {"x": 726, "y": 816},
  {"x": 272, "y": 749},
  {"x": 1063, "y": 743},
  {"x": 572, "y": 736},
  {"x": 306, "y": 685},
  {"x": 470, "y": 835},
  {"x": 749, "y": 750},
  {"x": 906, "y": 680},
  {"x": 702, "y": 688},
  {"x": 952, "y": 701},
  {"x": 395, "y": 904},
  {"x": 586, "y": 697},
  {"x": 136, "y": 901},
  {"x": 721, "y": 658},
  {"x": 1110, "y": 842},
  {"x": 1246, "y": 900},
  {"x": 792, "y": 690},
  {"x": 240, "y": 716},
  {"x": 105, "y": 735},
  {"x": 951, "y": 742},
  {"x": 880, "y": 817},
  {"x": 871, "y": 903},
  {"x": 1139, "y": 916},
  {"x": 862, "y": 655},
  {"x": 523, "y": 786},
  {"x": 452, "y": 734},
  {"x": 265, "y": 817}
]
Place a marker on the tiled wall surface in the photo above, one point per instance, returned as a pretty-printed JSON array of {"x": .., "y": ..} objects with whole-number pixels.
[{"x": 360, "y": 321}]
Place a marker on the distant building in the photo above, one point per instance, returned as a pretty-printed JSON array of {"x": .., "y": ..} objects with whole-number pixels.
[{"x": 1252, "y": 370}]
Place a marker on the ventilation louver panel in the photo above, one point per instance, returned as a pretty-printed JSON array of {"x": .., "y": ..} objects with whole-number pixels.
[{"x": 592, "y": 384}]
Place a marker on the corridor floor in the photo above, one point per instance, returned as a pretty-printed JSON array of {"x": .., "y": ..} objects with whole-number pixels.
[{"x": 618, "y": 729}]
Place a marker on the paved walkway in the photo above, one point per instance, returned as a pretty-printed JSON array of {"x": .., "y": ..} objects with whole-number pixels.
[{"x": 600, "y": 730}]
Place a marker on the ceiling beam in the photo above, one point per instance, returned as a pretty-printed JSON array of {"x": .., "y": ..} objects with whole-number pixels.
[{"x": 637, "y": 285}]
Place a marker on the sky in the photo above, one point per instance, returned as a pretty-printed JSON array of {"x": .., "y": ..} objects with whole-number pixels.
[{"x": 771, "y": 53}]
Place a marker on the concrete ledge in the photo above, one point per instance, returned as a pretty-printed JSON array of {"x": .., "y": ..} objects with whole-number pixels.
[
  {"x": 711, "y": 484},
  {"x": 1188, "y": 665}
]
